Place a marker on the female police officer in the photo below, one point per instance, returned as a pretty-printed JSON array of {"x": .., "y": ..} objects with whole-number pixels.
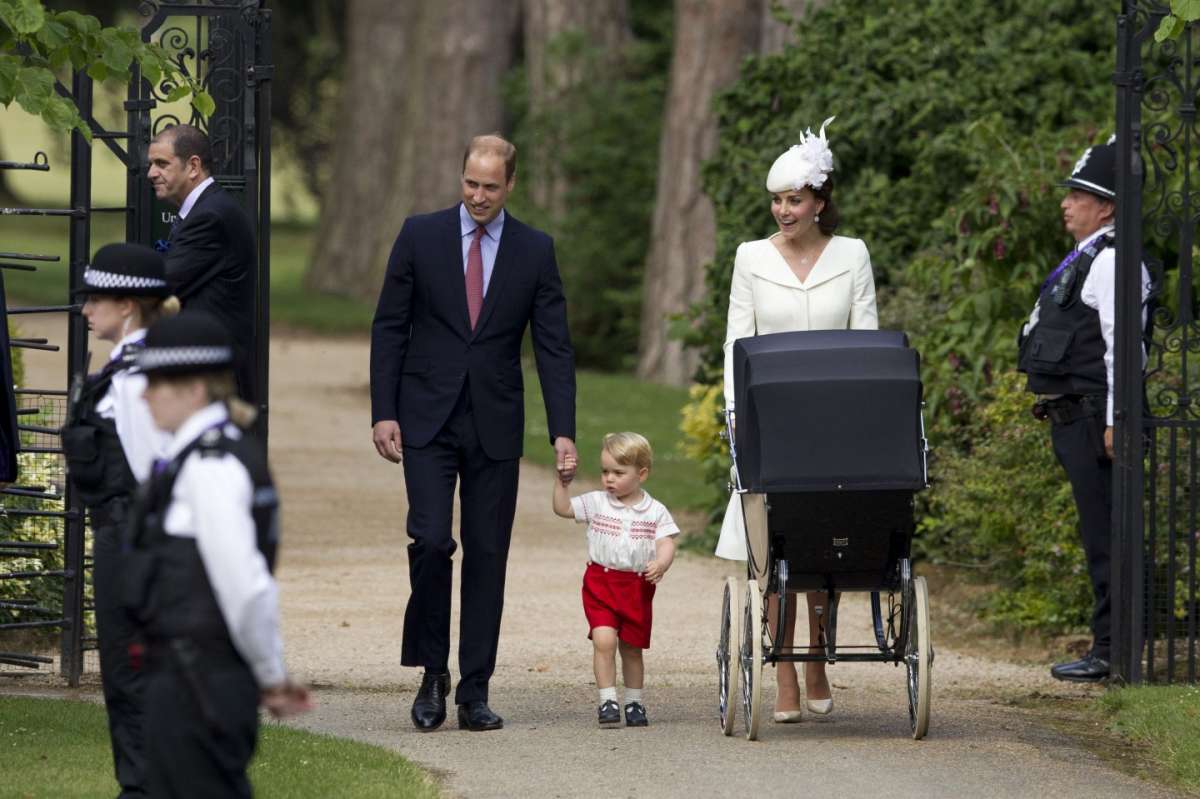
[
  {"x": 203, "y": 538},
  {"x": 110, "y": 442}
]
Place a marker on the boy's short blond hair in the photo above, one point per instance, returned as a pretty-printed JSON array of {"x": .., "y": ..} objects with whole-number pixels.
[{"x": 629, "y": 449}]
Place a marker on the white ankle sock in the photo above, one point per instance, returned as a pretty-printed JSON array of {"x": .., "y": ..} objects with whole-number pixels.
[
  {"x": 633, "y": 695},
  {"x": 607, "y": 694}
]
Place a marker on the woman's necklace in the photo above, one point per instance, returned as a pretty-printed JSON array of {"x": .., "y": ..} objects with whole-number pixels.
[{"x": 803, "y": 258}]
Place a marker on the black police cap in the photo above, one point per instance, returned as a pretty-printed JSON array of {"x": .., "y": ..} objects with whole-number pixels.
[
  {"x": 125, "y": 270},
  {"x": 1096, "y": 171},
  {"x": 191, "y": 343}
]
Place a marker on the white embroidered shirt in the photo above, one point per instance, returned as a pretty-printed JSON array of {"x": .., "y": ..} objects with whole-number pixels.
[{"x": 622, "y": 536}]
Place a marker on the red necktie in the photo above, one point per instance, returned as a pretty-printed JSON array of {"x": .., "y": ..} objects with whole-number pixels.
[{"x": 475, "y": 277}]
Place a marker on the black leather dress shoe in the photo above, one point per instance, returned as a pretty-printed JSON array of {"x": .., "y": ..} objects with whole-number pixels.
[
  {"x": 477, "y": 717},
  {"x": 1088, "y": 668},
  {"x": 429, "y": 708}
]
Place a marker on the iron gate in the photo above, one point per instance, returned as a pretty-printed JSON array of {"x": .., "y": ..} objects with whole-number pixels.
[
  {"x": 225, "y": 45},
  {"x": 1157, "y": 412}
]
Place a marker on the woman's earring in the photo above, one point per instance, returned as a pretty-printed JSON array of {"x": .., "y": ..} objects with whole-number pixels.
[{"x": 816, "y": 218}]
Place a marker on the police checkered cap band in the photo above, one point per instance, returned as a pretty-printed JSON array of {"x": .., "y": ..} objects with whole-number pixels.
[
  {"x": 153, "y": 358},
  {"x": 99, "y": 279},
  {"x": 1087, "y": 185}
]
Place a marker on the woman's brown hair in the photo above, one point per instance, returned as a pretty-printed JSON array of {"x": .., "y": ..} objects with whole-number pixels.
[{"x": 829, "y": 216}]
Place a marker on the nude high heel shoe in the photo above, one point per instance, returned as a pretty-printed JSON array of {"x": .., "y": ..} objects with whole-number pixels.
[{"x": 821, "y": 707}]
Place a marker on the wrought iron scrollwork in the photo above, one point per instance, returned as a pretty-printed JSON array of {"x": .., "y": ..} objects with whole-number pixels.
[
  {"x": 208, "y": 48},
  {"x": 1167, "y": 84}
]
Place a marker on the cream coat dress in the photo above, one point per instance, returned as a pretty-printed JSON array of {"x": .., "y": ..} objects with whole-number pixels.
[{"x": 767, "y": 297}]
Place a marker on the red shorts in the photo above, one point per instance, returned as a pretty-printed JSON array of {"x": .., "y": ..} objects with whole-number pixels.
[{"x": 621, "y": 600}]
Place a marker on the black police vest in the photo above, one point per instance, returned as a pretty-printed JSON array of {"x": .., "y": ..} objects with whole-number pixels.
[
  {"x": 96, "y": 461},
  {"x": 1064, "y": 352},
  {"x": 167, "y": 586}
]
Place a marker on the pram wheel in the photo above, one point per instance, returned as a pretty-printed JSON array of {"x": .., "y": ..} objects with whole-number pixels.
[
  {"x": 726, "y": 660},
  {"x": 752, "y": 659},
  {"x": 918, "y": 657}
]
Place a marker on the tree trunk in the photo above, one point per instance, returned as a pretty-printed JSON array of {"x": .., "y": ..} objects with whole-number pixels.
[
  {"x": 775, "y": 35},
  {"x": 711, "y": 38},
  {"x": 552, "y": 72},
  {"x": 421, "y": 80}
]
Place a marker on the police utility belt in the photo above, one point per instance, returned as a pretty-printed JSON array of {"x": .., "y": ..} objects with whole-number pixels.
[{"x": 1068, "y": 408}]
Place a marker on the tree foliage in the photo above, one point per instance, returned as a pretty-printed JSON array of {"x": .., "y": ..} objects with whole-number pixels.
[
  {"x": 906, "y": 87},
  {"x": 1173, "y": 24},
  {"x": 968, "y": 290},
  {"x": 37, "y": 45},
  {"x": 1005, "y": 511},
  {"x": 949, "y": 143},
  {"x": 309, "y": 39},
  {"x": 603, "y": 134}
]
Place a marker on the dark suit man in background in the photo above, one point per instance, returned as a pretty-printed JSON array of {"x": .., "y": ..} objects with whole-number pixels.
[
  {"x": 462, "y": 285},
  {"x": 211, "y": 260}
]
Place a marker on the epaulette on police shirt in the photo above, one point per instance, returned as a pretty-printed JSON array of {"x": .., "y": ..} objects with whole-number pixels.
[{"x": 210, "y": 443}]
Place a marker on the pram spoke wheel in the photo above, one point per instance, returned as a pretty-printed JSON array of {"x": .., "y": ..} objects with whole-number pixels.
[
  {"x": 727, "y": 660},
  {"x": 918, "y": 658},
  {"x": 751, "y": 659}
]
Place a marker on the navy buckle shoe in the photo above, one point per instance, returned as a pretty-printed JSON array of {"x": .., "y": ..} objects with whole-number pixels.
[
  {"x": 609, "y": 713},
  {"x": 635, "y": 715}
]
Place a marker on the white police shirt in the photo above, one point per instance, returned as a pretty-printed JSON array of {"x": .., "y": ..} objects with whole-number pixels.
[
  {"x": 123, "y": 403},
  {"x": 211, "y": 503}
]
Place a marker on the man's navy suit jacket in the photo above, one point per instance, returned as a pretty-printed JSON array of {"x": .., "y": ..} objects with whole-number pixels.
[
  {"x": 423, "y": 348},
  {"x": 212, "y": 267}
]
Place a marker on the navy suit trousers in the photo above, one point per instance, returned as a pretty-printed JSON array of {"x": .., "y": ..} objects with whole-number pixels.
[{"x": 488, "y": 496}]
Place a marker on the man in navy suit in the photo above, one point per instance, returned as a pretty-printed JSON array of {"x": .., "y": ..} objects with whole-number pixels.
[
  {"x": 447, "y": 401},
  {"x": 211, "y": 259}
]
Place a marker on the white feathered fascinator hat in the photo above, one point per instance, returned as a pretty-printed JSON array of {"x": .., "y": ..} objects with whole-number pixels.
[{"x": 805, "y": 164}]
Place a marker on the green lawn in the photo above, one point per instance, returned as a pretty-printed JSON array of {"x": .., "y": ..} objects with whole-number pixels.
[
  {"x": 58, "y": 749},
  {"x": 1165, "y": 719},
  {"x": 609, "y": 403}
]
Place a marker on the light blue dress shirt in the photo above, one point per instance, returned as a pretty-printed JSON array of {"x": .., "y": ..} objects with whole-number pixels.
[{"x": 488, "y": 245}]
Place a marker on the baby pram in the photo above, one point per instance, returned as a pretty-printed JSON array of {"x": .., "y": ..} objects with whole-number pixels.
[{"x": 828, "y": 447}]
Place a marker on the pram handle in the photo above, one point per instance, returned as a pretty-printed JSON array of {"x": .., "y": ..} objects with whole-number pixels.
[{"x": 735, "y": 483}]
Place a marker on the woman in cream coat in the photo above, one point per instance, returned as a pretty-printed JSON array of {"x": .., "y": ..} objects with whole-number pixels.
[{"x": 802, "y": 277}]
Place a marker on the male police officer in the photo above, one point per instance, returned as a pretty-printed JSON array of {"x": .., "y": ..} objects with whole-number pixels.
[{"x": 1066, "y": 351}]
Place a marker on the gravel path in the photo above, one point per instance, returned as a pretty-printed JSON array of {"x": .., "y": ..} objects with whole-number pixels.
[
  {"x": 344, "y": 586},
  {"x": 343, "y": 578}
]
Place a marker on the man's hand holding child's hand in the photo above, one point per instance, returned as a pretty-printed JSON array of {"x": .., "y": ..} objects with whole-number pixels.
[{"x": 566, "y": 472}]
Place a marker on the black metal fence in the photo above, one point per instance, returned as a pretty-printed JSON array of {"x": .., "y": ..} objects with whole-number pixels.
[
  {"x": 43, "y": 552},
  {"x": 1157, "y": 408},
  {"x": 44, "y": 543}
]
